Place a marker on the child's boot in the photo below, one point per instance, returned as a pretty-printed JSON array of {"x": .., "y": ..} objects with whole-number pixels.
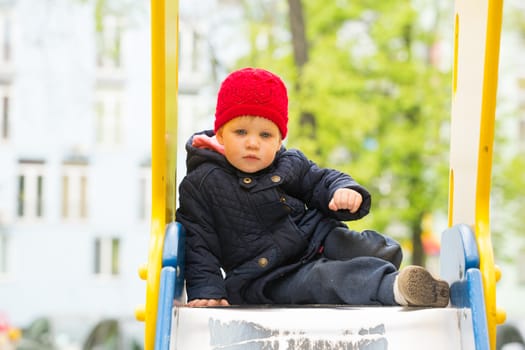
[{"x": 415, "y": 286}]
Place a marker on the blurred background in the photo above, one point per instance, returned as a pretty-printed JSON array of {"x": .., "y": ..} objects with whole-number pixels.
[{"x": 370, "y": 89}]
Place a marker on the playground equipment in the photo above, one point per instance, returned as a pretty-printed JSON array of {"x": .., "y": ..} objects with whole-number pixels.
[{"x": 466, "y": 260}]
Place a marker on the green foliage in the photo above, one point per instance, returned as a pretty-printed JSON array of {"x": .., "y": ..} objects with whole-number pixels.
[
  {"x": 508, "y": 182},
  {"x": 508, "y": 191},
  {"x": 100, "y": 10},
  {"x": 379, "y": 105}
]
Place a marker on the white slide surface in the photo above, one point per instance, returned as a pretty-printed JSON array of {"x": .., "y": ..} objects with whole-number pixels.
[{"x": 321, "y": 328}]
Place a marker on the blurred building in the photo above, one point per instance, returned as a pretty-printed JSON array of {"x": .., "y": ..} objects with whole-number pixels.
[{"x": 75, "y": 143}]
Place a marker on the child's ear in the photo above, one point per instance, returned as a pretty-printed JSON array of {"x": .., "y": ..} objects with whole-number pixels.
[{"x": 218, "y": 136}]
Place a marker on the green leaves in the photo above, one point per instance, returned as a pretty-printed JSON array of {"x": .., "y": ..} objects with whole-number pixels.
[{"x": 375, "y": 104}]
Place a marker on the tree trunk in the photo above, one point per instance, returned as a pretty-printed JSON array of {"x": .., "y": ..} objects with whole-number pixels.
[
  {"x": 418, "y": 256},
  {"x": 300, "y": 54},
  {"x": 300, "y": 45}
]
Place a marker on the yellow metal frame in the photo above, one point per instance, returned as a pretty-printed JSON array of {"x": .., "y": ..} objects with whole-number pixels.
[
  {"x": 164, "y": 85},
  {"x": 484, "y": 157},
  {"x": 489, "y": 270}
]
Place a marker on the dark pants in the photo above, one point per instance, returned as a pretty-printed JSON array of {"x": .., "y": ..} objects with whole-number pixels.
[
  {"x": 354, "y": 268},
  {"x": 344, "y": 244}
]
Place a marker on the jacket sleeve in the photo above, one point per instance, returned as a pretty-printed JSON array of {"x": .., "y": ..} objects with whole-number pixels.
[
  {"x": 203, "y": 275},
  {"x": 318, "y": 185}
]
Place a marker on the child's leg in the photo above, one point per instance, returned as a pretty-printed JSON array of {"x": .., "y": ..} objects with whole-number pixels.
[
  {"x": 344, "y": 244},
  {"x": 359, "y": 281}
]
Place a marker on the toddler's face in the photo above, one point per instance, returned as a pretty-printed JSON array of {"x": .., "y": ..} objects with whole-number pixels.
[{"x": 250, "y": 143}]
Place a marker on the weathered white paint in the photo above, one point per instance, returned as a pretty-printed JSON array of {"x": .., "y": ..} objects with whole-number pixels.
[{"x": 312, "y": 328}]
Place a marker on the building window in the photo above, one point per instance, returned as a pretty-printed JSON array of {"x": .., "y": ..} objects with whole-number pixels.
[
  {"x": 107, "y": 256},
  {"x": 74, "y": 191},
  {"x": 144, "y": 193},
  {"x": 109, "y": 40},
  {"x": 108, "y": 118},
  {"x": 5, "y": 36},
  {"x": 30, "y": 199},
  {"x": 3, "y": 254},
  {"x": 4, "y": 114}
]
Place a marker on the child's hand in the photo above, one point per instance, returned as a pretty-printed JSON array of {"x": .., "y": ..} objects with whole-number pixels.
[
  {"x": 345, "y": 198},
  {"x": 208, "y": 302}
]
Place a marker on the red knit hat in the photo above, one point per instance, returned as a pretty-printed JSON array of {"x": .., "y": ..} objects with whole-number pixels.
[{"x": 253, "y": 92}]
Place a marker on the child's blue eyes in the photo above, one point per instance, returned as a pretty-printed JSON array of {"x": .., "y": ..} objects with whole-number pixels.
[{"x": 242, "y": 132}]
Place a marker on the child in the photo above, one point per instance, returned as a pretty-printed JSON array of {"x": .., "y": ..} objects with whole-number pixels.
[{"x": 264, "y": 224}]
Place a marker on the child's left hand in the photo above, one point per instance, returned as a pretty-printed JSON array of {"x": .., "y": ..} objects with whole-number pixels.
[{"x": 346, "y": 198}]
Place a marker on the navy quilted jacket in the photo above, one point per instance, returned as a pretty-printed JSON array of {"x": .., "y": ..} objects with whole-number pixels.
[{"x": 255, "y": 227}]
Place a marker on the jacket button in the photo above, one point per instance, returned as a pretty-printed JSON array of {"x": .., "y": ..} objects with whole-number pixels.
[
  {"x": 247, "y": 180},
  {"x": 275, "y": 178},
  {"x": 262, "y": 262}
]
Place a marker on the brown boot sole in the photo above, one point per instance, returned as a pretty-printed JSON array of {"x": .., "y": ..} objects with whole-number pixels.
[{"x": 420, "y": 288}]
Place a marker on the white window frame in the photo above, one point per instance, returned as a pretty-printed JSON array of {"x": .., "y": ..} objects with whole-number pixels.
[
  {"x": 107, "y": 251},
  {"x": 4, "y": 254},
  {"x": 74, "y": 185},
  {"x": 6, "y": 40},
  {"x": 108, "y": 113},
  {"x": 5, "y": 113},
  {"x": 144, "y": 201},
  {"x": 32, "y": 202},
  {"x": 109, "y": 43}
]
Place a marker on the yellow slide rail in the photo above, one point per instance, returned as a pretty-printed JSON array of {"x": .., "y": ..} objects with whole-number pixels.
[
  {"x": 475, "y": 81},
  {"x": 164, "y": 87},
  {"x": 490, "y": 272}
]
